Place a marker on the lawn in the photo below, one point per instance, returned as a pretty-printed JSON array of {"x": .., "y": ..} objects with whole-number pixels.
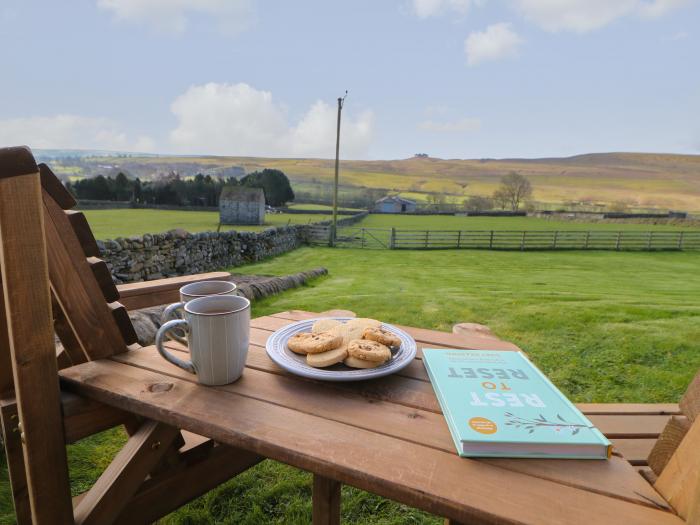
[
  {"x": 604, "y": 326},
  {"x": 108, "y": 224},
  {"x": 451, "y": 222}
]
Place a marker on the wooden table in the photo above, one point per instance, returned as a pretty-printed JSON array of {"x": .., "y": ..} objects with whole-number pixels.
[{"x": 387, "y": 436}]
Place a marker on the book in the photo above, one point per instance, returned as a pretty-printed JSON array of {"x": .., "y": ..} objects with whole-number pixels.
[{"x": 498, "y": 404}]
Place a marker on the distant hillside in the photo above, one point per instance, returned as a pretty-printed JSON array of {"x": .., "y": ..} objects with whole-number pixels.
[{"x": 665, "y": 181}]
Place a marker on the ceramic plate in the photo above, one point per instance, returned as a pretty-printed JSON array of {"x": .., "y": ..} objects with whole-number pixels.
[{"x": 296, "y": 364}]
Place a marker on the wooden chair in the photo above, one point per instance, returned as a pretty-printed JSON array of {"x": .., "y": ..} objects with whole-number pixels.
[{"x": 54, "y": 281}]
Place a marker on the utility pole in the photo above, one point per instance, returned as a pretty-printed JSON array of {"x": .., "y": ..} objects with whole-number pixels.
[{"x": 334, "y": 224}]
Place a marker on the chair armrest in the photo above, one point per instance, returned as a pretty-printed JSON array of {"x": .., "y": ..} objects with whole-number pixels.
[{"x": 161, "y": 291}]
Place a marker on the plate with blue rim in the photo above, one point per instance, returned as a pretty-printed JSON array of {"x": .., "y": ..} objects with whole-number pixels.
[{"x": 296, "y": 364}]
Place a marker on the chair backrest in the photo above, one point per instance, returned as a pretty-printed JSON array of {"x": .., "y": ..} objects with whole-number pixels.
[
  {"x": 27, "y": 344},
  {"x": 52, "y": 281},
  {"x": 675, "y": 457},
  {"x": 89, "y": 320}
]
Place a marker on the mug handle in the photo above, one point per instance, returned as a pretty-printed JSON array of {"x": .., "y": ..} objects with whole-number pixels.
[
  {"x": 160, "y": 337},
  {"x": 168, "y": 314}
]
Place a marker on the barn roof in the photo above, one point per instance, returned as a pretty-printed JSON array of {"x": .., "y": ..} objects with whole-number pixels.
[
  {"x": 395, "y": 199},
  {"x": 241, "y": 193}
]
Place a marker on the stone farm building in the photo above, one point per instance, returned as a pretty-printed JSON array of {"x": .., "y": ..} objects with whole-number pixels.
[
  {"x": 394, "y": 204},
  {"x": 241, "y": 205}
]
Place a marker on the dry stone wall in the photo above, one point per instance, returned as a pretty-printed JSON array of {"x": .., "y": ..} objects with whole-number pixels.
[{"x": 178, "y": 252}]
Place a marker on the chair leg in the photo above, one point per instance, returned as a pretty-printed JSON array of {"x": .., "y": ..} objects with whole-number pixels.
[
  {"x": 15, "y": 462},
  {"x": 122, "y": 478},
  {"x": 326, "y": 501}
]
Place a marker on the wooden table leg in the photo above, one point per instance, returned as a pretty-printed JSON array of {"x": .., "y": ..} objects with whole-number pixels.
[{"x": 326, "y": 501}]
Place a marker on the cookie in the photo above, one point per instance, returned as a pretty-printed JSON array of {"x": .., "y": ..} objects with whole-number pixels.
[
  {"x": 381, "y": 336},
  {"x": 354, "y": 362},
  {"x": 363, "y": 322},
  {"x": 307, "y": 343},
  {"x": 348, "y": 333},
  {"x": 331, "y": 357},
  {"x": 369, "y": 350},
  {"x": 323, "y": 325}
]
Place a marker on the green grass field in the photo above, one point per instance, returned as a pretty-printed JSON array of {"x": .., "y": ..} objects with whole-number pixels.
[
  {"x": 604, "y": 326},
  {"x": 451, "y": 222},
  {"x": 109, "y": 224},
  {"x": 323, "y": 207}
]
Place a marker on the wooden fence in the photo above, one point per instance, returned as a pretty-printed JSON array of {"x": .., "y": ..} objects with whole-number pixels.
[{"x": 507, "y": 240}]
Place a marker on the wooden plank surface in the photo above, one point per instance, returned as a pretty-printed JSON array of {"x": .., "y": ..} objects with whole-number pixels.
[
  {"x": 408, "y": 472},
  {"x": 162, "y": 291},
  {"x": 76, "y": 289},
  {"x": 405, "y": 390},
  {"x": 410, "y": 424},
  {"x": 28, "y": 315},
  {"x": 679, "y": 482},
  {"x": 635, "y": 451},
  {"x": 667, "y": 442}
]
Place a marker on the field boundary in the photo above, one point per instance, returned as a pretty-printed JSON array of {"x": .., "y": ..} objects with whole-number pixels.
[{"x": 522, "y": 240}]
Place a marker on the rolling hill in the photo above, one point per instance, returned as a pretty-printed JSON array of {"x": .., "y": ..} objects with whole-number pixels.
[{"x": 642, "y": 180}]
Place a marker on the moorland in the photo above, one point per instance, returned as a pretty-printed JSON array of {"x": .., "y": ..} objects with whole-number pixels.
[{"x": 637, "y": 180}]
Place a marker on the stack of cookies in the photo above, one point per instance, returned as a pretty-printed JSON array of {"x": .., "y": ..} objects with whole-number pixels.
[{"x": 359, "y": 343}]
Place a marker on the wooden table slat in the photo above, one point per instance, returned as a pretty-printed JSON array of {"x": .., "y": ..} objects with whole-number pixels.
[{"x": 424, "y": 477}]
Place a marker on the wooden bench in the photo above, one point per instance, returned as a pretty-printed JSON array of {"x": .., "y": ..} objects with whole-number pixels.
[{"x": 53, "y": 280}]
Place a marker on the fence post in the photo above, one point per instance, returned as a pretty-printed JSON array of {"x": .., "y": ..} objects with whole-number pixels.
[
  {"x": 649, "y": 241},
  {"x": 522, "y": 241},
  {"x": 459, "y": 239},
  {"x": 680, "y": 241},
  {"x": 554, "y": 244},
  {"x": 588, "y": 235},
  {"x": 617, "y": 243},
  {"x": 491, "y": 241},
  {"x": 331, "y": 237},
  {"x": 427, "y": 235},
  {"x": 392, "y": 239},
  {"x": 362, "y": 242}
]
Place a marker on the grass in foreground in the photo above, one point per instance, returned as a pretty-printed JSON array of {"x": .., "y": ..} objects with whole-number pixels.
[
  {"x": 604, "y": 326},
  {"x": 109, "y": 224}
]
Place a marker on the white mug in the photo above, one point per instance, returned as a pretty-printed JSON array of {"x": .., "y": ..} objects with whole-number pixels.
[
  {"x": 218, "y": 333},
  {"x": 194, "y": 291}
]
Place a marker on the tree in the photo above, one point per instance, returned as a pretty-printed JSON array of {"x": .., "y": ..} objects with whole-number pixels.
[
  {"x": 500, "y": 198},
  {"x": 513, "y": 190},
  {"x": 478, "y": 203},
  {"x": 122, "y": 187},
  {"x": 275, "y": 184}
]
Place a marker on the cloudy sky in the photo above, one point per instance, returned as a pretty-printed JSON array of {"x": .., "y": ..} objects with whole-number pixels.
[{"x": 452, "y": 78}]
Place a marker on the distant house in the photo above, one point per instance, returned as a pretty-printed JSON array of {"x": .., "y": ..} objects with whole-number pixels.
[
  {"x": 241, "y": 205},
  {"x": 394, "y": 204}
]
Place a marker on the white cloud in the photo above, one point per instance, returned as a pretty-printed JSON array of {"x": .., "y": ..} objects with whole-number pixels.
[
  {"x": 680, "y": 35},
  {"x": 656, "y": 8},
  {"x": 171, "y": 16},
  {"x": 463, "y": 125},
  {"x": 428, "y": 8},
  {"x": 237, "y": 119},
  {"x": 496, "y": 42},
  {"x": 581, "y": 16},
  {"x": 70, "y": 132}
]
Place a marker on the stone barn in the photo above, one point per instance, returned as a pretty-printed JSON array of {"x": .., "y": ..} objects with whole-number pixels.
[
  {"x": 241, "y": 205},
  {"x": 394, "y": 204}
]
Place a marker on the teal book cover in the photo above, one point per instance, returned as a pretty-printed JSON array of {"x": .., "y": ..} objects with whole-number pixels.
[{"x": 498, "y": 404}]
